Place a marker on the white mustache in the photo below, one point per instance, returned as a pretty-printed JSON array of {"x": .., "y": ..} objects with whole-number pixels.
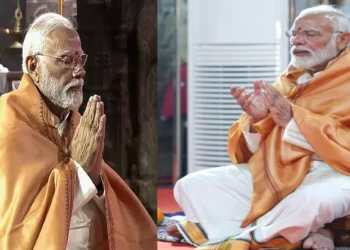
[
  {"x": 302, "y": 48},
  {"x": 75, "y": 83}
]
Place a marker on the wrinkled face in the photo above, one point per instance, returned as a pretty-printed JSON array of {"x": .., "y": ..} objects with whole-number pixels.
[
  {"x": 61, "y": 72},
  {"x": 314, "y": 42}
]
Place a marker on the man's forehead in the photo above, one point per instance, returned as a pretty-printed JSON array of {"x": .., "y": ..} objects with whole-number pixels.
[
  {"x": 62, "y": 40},
  {"x": 317, "y": 21}
]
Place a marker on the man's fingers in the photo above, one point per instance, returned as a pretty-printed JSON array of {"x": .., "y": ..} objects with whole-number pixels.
[
  {"x": 268, "y": 100},
  {"x": 96, "y": 121},
  {"x": 99, "y": 113},
  {"x": 103, "y": 135},
  {"x": 233, "y": 89},
  {"x": 242, "y": 99},
  {"x": 102, "y": 108},
  {"x": 269, "y": 88},
  {"x": 264, "y": 86},
  {"x": 87, "y": 110},
  {"x": 102, "y": 128},
  {"x": 247, "y": 103},
  {"x": 103, "y": 125},
  {"x": 257, "y": 87},
  {"x": 92, "y": 112},
  {"x": 237, "y": 92}
]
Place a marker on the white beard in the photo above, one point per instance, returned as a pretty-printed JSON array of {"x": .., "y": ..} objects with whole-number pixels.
[
  {"x": 61, "y": 95},
  {"x": 317, "y": 57}
]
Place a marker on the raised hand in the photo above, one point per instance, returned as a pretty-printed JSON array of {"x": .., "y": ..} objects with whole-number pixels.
[
  {"x": 95, "y": 172},
  {"x": 88, "y": 141},
  {"x": 253, "y": 104},
  {"x": 279, "y": 107}
]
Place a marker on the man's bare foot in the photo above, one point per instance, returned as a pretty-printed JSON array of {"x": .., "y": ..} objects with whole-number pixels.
[
  {"x": 321, "y": 240},
  {"x": 172, "y": 231}
]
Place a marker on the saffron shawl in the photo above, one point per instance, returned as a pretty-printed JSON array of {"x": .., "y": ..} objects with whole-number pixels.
[{"x": 38, "y": 179}]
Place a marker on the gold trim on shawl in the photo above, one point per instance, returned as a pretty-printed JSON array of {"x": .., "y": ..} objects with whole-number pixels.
[{"x": 194, "y": 233}]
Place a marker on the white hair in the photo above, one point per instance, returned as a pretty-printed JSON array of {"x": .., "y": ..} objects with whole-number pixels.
[
  {"x": 38, "y": 32},
  {"x": 341, "y": 21}
]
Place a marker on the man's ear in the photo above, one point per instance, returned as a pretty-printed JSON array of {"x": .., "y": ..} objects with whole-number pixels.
[
  {"x": 33, "y": 67},
  {"x": 343, "y": 41}
]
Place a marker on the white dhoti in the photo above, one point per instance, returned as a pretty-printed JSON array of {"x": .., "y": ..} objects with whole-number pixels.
[{"x": 220, "y": 198}]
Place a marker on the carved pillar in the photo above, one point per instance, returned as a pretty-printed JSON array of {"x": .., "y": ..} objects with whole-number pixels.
[
  {"x": 146, "y": 178},
  {"x": 120, "y": 38}
]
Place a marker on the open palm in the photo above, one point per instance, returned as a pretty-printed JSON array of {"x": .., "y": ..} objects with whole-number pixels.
[
  {"x": 252, "y": 103},
  {"x": 256, "y": 107}
]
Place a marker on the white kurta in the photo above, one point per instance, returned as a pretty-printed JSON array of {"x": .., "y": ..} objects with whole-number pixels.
[
  {"x": 88, "y": 222},
  {"x": 220, "y": 198}
]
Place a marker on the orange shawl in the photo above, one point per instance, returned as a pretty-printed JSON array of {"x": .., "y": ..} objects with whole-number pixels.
[
  {"x": 321, "y": 109},
  {"x": 37, "y": 183}
]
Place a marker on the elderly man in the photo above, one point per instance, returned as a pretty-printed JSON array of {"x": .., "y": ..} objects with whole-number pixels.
[
  {"x": 291, "y": 150},
  {"x": 56, "y": 190}
]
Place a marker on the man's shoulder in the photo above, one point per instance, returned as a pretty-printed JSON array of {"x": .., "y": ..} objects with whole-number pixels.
[
  {"x": 14, "y": 113},
  {"x": 9, "y": 104}
]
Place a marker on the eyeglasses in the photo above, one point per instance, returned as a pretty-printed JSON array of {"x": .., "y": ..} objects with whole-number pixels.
[
  {"x": 306, "y": 34},
  {"x": 69, "y": 61}
]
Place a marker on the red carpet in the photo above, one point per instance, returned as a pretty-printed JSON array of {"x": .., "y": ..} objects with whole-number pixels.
[{"x": 167, "y": 204}]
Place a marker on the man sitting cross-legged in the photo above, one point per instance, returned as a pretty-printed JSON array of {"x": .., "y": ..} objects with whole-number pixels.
[{"x": 290, "y": 150}]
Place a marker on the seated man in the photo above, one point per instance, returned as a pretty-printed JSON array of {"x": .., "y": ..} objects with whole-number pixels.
[
  {"x": 291, "y": 150},
  {"x": 56, "y": 191}
]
